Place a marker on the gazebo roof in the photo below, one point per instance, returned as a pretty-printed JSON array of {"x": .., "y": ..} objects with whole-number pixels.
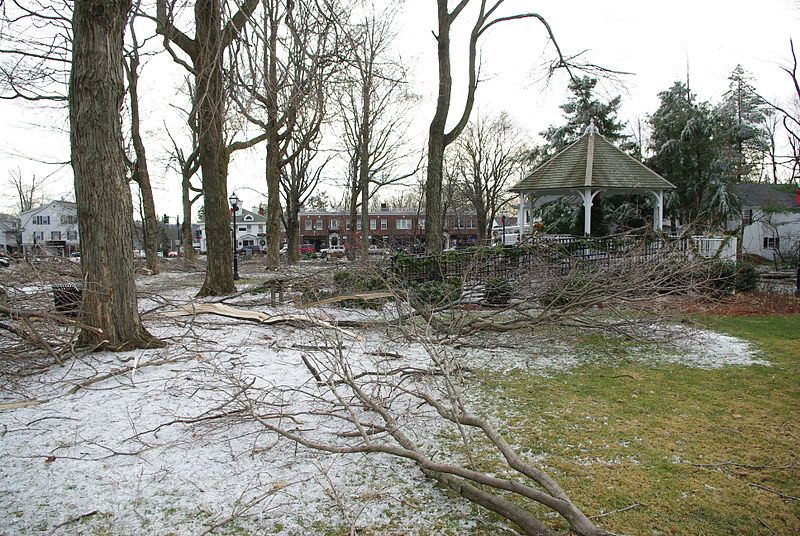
[{"x": 592, "y": 162}]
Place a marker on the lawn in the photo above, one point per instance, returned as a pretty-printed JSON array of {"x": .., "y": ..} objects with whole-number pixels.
[{"x": 682, "y": 450}]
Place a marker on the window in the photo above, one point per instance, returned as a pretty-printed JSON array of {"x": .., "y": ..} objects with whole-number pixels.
[
  {"x": 421, "y": 223},
  {"x": 248, "y": 218},
  {"x": 403, "y": 224},
  {"x": 772, "y": 242},
  {"x": 198, "y": 233},
  {"x": 347, "y": 225},
  {"x": 462, "y": 224},
  {"x": 67, "y": 219},
  {"x": 55, "y": 235},
  {"x": 242, "y": 229},
  {"x": 261, "y": 228},
  {"x": 358, "y": 225},
  {"x": 384, "y": 224},
  {"x": 747, "y": 216},
  {"x": 72, "y": 235},
  {"x": 38, "y": 235},
  {"x": 373, "y": 224},
  {"x": 41, "y": 220},
  {"x": 308, "y": 225},
  {"x": 319, "y": 227},
  {"x": 333, "y": 225},
  {"x": 471, "y": 224}
]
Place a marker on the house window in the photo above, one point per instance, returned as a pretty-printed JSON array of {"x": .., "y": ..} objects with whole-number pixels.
[
  {"x": 403, "y": 223},
  {"x": 67, "y": 219},
  {"x": 462, "y": 224},
  {"x": 471, "y": 224},
  {"x": 772, "y": 242},
  {"x": 41, "y": 220},
  {"x": 261, "y": 228},
  {"x": 72, "y": 235},
  {"x": 248, "y": 218},
  {"x": 373, "y": 224},
  {"x": 421, "y": 223},
  {"x": 747, "y": 216},
  {"x": 55, "y": 235},
  {"x": 319, "y": 225},
  {"x": 333, "y": 225},
  {"x": 358, "y": 225},
  {"x": 347, "y": 225},
  {"x": 242, "y": 229},
  {"x": 38, "y": 235},
  {"x": 308, "y": 225},
  {"x": 384, "y": 224},
  {"x": 198, "y": 233}
]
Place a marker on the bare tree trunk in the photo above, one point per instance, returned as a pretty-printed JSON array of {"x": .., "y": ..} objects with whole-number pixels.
[
  {"x": 189, "y": 254},
  {"x": 213, "y": 153},
  {"x": 105, "y": 210},
  {"x": 273, "y": 143},
  {"x": 140, "y": 172}
]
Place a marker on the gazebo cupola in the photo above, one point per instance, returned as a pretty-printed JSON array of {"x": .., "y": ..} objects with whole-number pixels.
[{"x": 590, "y": 166}]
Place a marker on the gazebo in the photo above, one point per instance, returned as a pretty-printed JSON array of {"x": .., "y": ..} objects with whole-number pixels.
[{"x": 590, "y": 166}]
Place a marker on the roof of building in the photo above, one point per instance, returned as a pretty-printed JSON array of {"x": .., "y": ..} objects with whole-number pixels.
[
  {"x": 592, "y": 161},
  {"x": 70, "y": 205},
  {"x": 762, "y": 195}
]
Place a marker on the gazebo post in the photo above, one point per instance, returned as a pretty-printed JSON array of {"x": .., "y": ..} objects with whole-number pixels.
[
  {"x": 658, "y": 210},
  {"x": 521, "y": 214},
  {"x": 587, "y": 211}
]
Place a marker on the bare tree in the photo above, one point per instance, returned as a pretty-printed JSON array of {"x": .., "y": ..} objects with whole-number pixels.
[
  {"x": 298, "y": 183},
  {"x": 281, "y": 88},
  {"x": 206, "y": 53},
  {"x": 101, "y": 186},
  {"x": 486, "y": 156},
  {"x": 36, "y": 49},
  {"x": 438, "y": 136},
  {"x": 27, "y": 193},
  {"x": 373, "y": 119},
  {"x": 139, "y": 170}
]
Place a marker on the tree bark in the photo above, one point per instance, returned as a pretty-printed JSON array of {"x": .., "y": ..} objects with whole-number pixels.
[
  {"x": 213, "y": 154},
  {"x": 105, "y": 210}
]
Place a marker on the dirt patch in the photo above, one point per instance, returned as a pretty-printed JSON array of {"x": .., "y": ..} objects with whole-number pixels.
[{"x": 744, "y": 304}]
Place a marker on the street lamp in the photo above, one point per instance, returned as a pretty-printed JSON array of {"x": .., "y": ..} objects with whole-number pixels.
[
  {"x": 503, "y": 221},
  {"x": 234, "y": 207}
]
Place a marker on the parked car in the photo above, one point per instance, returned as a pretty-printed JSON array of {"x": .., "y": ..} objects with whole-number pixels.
[
  {"x": 375, "y": 250},
  {"x": 4, "y": 261},
  {"x": 250, "y": 250},
  {"x": 307, "y": 248},
  {"x": 173, "y": 254},
  {"x": 333, "y": 251},
  {"x": 75, "y": 256}
]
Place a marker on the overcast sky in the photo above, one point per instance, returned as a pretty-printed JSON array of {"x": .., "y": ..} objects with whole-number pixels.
[{"x": 652, "y": 40}]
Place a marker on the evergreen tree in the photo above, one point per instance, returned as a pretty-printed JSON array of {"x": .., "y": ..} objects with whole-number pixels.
[
  {"x": 690, "y": 150},
  {"x": 742, "y": 126},
  {"x": 581, "y": 109}
]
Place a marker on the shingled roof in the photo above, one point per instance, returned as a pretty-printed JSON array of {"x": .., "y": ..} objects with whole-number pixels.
[{"x": 592, "y": 161}]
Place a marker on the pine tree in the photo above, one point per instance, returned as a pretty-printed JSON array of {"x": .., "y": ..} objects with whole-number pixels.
[{"x": 742, "y": 126}]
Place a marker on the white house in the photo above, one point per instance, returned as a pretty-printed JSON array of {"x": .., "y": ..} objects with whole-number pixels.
[
  {"x": 251, "y": 230},
  {"x": 51, "y": 229},
  {"x": 9, "y": 233},
  {"x": 770, "y": 220}
]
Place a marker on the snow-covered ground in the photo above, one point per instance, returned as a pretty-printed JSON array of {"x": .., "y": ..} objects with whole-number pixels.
[{"x": 116, "y": 458}]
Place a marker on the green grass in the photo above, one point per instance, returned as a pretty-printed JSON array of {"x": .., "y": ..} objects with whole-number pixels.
[{"x": 619, "y": 433}]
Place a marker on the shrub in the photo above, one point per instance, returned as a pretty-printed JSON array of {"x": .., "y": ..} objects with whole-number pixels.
[
  {"x": 436, "y": 293},
  {"x": 746, "y": 277},
  {"x": 498, "y": 290}
]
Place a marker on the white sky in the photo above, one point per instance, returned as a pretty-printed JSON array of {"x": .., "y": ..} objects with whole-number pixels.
[{"x": 653, "y": 40}]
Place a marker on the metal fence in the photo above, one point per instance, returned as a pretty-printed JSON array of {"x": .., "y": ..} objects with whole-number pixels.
[{"x": 556, "y": 254}]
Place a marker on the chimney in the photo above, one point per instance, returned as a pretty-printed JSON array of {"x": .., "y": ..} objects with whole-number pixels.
[{"x": 384, "y": 207}]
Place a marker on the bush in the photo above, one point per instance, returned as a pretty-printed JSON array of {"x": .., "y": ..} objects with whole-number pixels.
[
  {"x": 746, "y": 277},
  {"x": 498, "y": 290},
  {"x": 354, "y": 280},
  {"x": 436, "y": 293},
  {"x": 566, "y": 289}
]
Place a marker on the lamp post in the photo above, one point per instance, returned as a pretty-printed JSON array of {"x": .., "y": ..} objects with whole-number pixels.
[
  {"x": 503, "y": 221},
  {"x": 234, "y": 207}
]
